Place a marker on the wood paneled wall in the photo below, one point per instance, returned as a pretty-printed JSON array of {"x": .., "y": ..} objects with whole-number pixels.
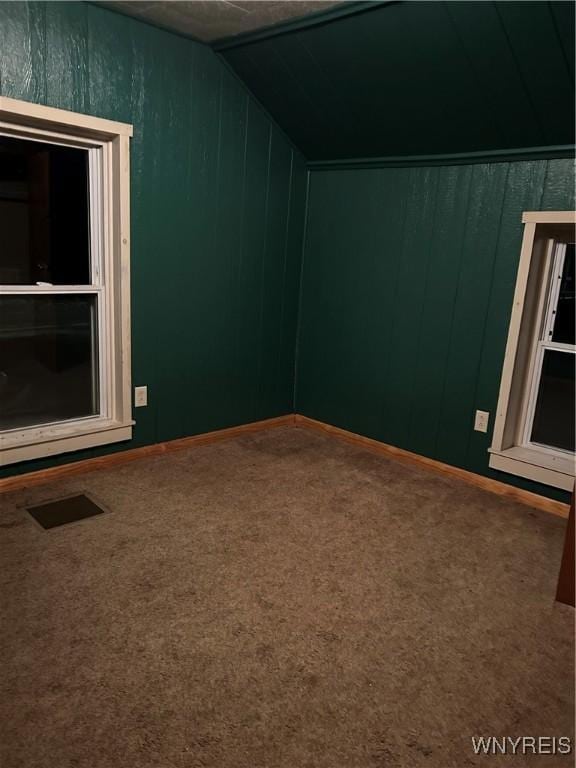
[
  {"x": 408, "y": 282},
  {"x": 218, "y": 197}
]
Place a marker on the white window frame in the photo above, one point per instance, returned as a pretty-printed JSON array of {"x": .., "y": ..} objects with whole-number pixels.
[
  {"x": 542, "y": 343},
  {"x": 512, "y": 450},
  {"x": 108, "y": 145}
]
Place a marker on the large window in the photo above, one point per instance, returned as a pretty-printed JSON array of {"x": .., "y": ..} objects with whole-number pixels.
[
  {"x": 64, "y": 303},
  {"x": 534, "y": 430}
]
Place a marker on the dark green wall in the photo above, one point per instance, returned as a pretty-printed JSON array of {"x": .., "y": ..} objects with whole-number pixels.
[
  {"x": 407, "y": 290},
  {"x": 408, "y": 274},
  {"x": 218, "y": 197}
]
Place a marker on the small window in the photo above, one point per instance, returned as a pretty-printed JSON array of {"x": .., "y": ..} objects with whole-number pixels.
[
  {"x": 64, "y": 303},
  {"x": 534, "y": 430}
]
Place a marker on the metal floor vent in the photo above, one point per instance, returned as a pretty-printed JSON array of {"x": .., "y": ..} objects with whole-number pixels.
[{"x": 71, "y": 510}]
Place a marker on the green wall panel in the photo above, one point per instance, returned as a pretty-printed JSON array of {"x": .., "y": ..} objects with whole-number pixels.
[
  {"x": 408, "y": 280},
  {"x": 218, "y": 196}
]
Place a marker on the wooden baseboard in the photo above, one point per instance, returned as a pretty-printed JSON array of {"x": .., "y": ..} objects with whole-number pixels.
[
  {"x": 132, "y": 454},
  {"x": 42, "y": 476},
  {"x": 399, "y": 454}
]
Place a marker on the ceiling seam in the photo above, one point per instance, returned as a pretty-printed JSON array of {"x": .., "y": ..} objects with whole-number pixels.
[
  {"x": 535, "y": 114},
  {"x": 479, "y": 81},
  {"x": 565, "y": 55}
]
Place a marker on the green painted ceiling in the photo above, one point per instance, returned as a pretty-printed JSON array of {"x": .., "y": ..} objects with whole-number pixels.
[{"x": 418, "y": 78}]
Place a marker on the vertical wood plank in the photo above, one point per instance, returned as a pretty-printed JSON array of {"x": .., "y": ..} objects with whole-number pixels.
[
  {"x": 110, "y": 63},
  {"x": 23, "y": 51},
  {"x": 415, "y": 255},
  {"x": 174, "y": 292},
  {"x": 439, "y": 299},
  {"x": 272, "y": 284},
  {"x": 293, "y": 244},
  {"x": 387, "y": 231},
  {"x": 558, "y": 192},
  {"x": 249, "y": 321},
  {"x": 474, "y": 285},
  {"x": 229, "y": 235},
  {"x": 202, "y": 277},
  {"x": 67, "y": 69}
]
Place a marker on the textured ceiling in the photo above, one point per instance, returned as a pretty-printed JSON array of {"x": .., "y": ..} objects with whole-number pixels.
[
  {"x": 419, "y": 78},
  {"x": 210, "y": 20}
]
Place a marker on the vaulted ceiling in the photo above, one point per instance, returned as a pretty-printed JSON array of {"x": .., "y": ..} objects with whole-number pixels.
[
  {"x": 418, "y": 78},
  {"x": 388, "y": 78}
]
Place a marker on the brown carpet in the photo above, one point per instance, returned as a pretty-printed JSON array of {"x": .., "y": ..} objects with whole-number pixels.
[{"x": 281, "y": 600}]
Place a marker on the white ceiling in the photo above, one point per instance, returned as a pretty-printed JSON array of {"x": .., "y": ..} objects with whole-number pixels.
[{"x": 210, "y": 20}]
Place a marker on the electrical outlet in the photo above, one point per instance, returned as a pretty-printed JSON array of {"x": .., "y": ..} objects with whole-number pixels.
[
  {"x": 481, "y": 421},
  {"x": 140, "y": 396}
]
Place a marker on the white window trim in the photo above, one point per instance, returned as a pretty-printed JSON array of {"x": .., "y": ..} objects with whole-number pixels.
[
  {"x": 542, "y": 343},
  {"x": 509, "y": 451},
  {"x": 114, "y": 424}
]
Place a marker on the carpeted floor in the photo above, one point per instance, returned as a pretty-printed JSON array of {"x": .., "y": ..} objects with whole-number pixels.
[{"x": 280, "y": 600}]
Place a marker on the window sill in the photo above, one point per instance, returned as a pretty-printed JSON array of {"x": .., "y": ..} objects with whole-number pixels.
[
  {"x": 37, "y": 443},
  {"x": 540, "y": 466}
]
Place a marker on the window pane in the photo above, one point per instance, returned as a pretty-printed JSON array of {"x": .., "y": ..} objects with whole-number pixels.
[
  {"x": 566, "y": 308},
  {"x": 43, "y": 213},
  {"x": 48, "y": 359},
  {"x": 554, "y": 415}
]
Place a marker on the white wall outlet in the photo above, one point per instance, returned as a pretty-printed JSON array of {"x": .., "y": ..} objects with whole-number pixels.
[
  {"x": 140, "y": 396},
  {"x": 481, "y": 421}
]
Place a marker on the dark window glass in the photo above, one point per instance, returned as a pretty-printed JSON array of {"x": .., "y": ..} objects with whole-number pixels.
[
  {"x": 554, "y": 415},
  {"x": 44, "y": 221},
  {"x": 48, "y": 362},
  {"x": 566, "y": 308}
]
